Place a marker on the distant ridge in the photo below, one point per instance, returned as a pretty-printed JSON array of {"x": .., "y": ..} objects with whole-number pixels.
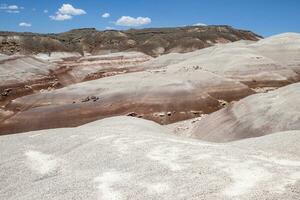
[{"x": 152, "y": 41}]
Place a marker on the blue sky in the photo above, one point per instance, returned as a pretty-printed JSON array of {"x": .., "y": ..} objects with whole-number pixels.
[{"x": 265, "y": 17}]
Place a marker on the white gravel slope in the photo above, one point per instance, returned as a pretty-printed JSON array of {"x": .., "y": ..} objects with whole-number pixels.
[
  {"x": 16, "y": 69},
  {"x": 283, "y": 48},
  {"x": 57, "y": 56},
  {"x": 269, "y": 60},
  {"x": 129, "y": 158}
]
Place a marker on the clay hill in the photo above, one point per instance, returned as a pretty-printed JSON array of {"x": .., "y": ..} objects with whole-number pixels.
[
  {"x": 154, "y": 42},
  {"x": 67, "y": 89}
]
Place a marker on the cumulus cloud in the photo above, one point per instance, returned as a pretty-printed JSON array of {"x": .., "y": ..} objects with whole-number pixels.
[
  {"x": 24, "y": 24},
  {"x": 106, "y": 15},
  {"x": 11, "y": 8},
  {"x": 199, "y": 24},
  {"x": 60, "y": 17},
  {"x": 66, "y": 12},
  {"x": 45, "y": 11},
  {"x": 68, "y": 9},
  {"x": 131, "y": 21}
]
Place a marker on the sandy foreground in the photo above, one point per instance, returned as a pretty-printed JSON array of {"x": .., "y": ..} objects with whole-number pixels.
[{"x": 130, "y": 158}]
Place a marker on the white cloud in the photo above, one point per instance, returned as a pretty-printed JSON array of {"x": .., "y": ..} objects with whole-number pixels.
[
  {"x": 45, "y": 11},
  {"x": 131, "y": 21},
  {"x": 11, "y": 8},
  {"x": 68, "y": 9},
  {"x": 60, "y": 17},
  {"x": 66, "y": 12},
  {"x": 199, "y": 24},
  {"x": 106, "y": 15},
  {"x": 24, "y": 24}
]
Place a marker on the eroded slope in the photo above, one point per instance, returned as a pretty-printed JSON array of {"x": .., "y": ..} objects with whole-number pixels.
[
  {"x": 253, "y": 116},
  {"x": 166, "y": 89}
]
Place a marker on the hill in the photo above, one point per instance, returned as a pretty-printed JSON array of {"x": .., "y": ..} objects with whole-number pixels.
[{"x": 154, "y": 41}]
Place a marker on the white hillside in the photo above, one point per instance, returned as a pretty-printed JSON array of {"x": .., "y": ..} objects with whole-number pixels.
[
  {"x": 129, "y": 158},
  {"x": 253, "y": 116}
]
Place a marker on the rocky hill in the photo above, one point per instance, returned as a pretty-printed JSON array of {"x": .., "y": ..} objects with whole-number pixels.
[{"x": 154, "y": 41}]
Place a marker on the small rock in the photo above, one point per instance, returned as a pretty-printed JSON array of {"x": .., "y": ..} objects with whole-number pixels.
[
  {"x": 28, "y": 87},
  {"x": 195, "y": 112},
  {"x": 223, "y": 102},
  {"x": 6, "y": 92},
  {"x": 56, "y": 84},
  {"x": 86, "y": 99},
  {"x": 161, "y": 114},
  {"x": 132, "y": 114},
  {"x": 94, "y": 98}
]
